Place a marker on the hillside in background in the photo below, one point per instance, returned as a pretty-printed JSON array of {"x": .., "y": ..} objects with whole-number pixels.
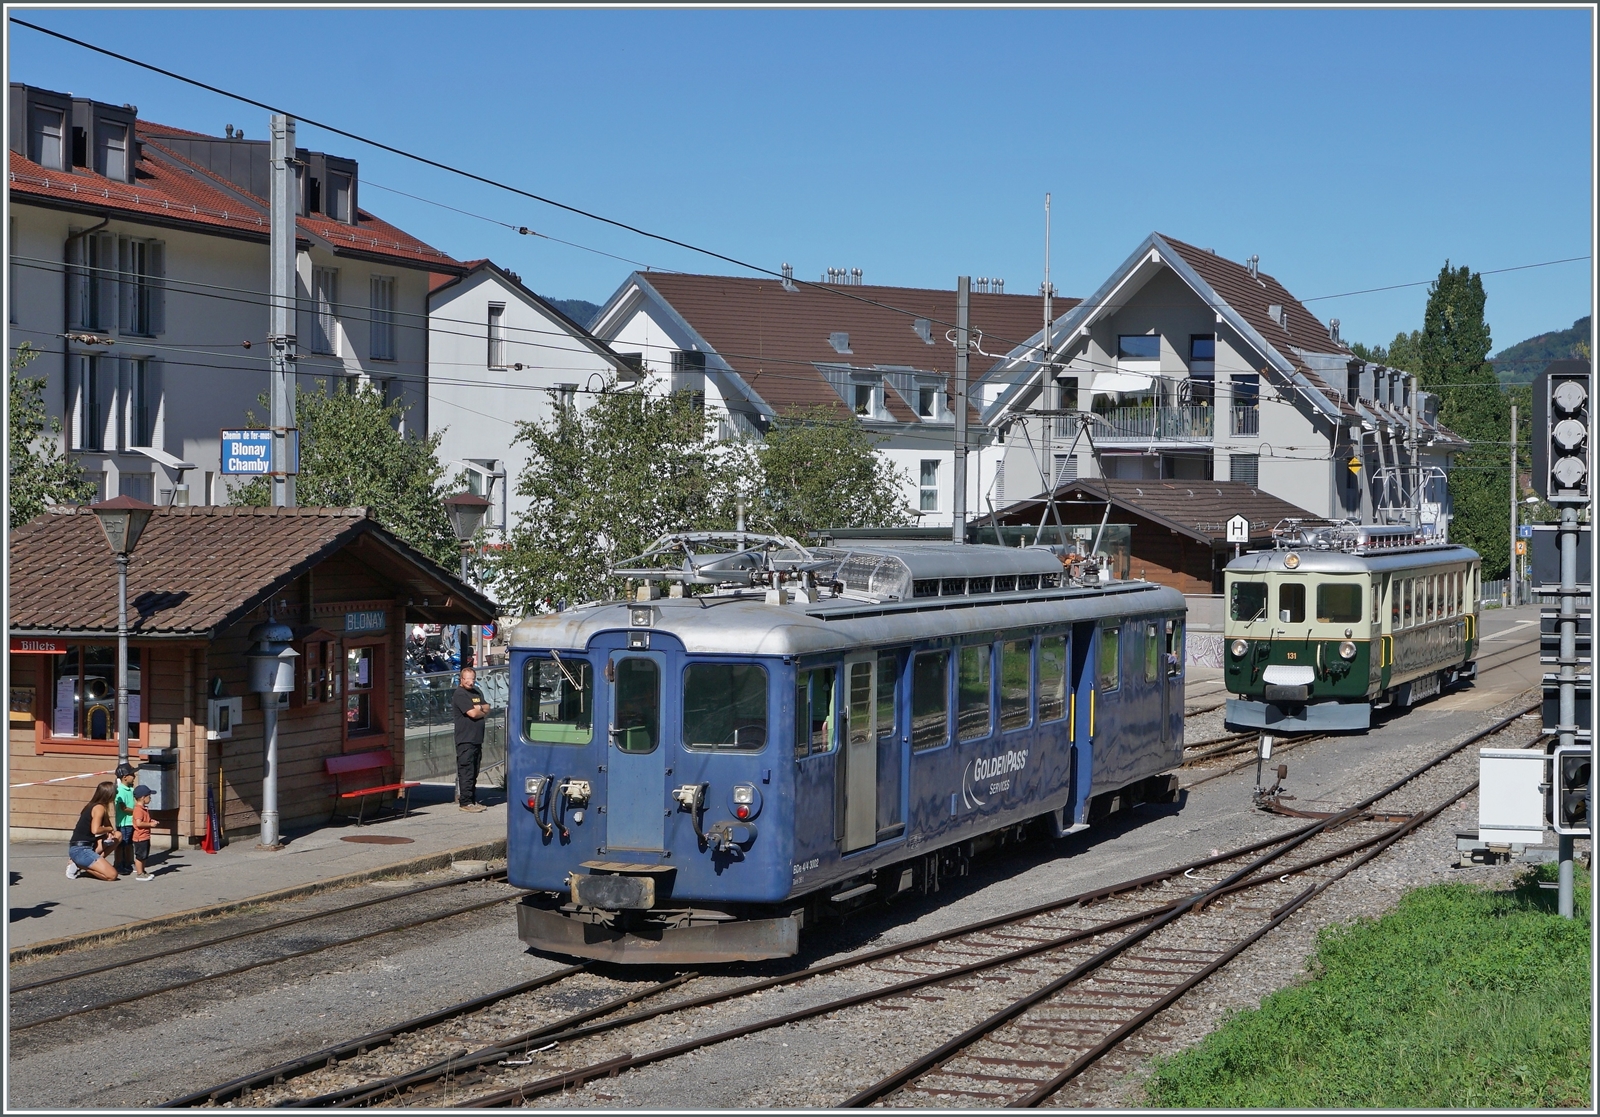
[
  {"x": 1520, "y": 363},
  {"x": 581, "y": 311}
]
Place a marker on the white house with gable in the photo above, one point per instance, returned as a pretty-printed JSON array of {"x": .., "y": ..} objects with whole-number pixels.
[{"x": 498, "y": 354}]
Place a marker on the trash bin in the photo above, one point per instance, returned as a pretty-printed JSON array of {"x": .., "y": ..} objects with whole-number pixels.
[{"x": 159, "y": 773}]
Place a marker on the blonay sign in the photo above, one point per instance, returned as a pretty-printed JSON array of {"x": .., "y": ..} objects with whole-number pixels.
[{"x": 250, "y": 452}]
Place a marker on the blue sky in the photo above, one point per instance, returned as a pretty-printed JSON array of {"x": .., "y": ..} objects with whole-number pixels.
[{"x": 1348, "y": 148}]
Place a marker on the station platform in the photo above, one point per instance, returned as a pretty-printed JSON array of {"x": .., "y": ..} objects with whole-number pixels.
[{"x": 48, "y": 912}]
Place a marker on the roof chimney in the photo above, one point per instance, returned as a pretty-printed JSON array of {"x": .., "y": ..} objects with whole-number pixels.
[
  {"x": 788, "y": 277},
  {"x": 1254, "y": 265},
  {"x": 228, "y": 131},
  {"x": 1333, "y": 331},
  {"x": 855, "y": 276}
]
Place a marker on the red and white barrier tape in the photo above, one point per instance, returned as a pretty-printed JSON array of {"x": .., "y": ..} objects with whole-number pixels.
[{"x": 63, "y": 779}]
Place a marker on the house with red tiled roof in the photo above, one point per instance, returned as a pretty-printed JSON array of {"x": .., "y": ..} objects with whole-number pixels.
[
  {"x": 755, "y": 349},
  {"x": 139, "y": 273},
  {"x": 1187, "y": 366}
]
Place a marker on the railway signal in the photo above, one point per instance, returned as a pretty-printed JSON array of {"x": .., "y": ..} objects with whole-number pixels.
[
  {"x": 1561, "y": 407},
  {"x": 1569, "y": 799}
]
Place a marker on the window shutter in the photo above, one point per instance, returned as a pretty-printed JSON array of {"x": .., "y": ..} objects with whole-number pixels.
[
  {"x": 74, "y": 408},
  {"x": 126, "y": 421},
  {"x": 128, "y": 287},
  {"x": 77, "y": 286},
  {"x": 155, "y": 403},
  {"x": 157, "y": 263},
  {"x": 106, "y": 277}
]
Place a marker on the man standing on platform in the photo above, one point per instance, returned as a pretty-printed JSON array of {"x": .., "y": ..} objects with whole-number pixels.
[{"x": 470, "y": 709}]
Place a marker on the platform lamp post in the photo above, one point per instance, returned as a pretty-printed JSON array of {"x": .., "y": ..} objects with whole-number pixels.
[
  {"x": 123, "y": 520},
  {"x": 466, "y": 512}
]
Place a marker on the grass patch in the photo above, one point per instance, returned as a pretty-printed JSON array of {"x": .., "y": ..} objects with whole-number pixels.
[{"x": 1461, "y": 997}]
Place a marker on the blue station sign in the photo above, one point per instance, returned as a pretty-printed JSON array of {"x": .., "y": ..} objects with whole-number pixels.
[{"x": 250, "y": 452}]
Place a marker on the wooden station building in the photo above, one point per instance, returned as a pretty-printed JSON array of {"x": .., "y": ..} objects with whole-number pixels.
[
  {"x": 1179, "y": 535},
  {"x": 199, "y": 580}
]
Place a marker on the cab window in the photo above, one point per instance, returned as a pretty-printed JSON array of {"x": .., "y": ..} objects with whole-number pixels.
[
  {"x": 1338, "y": 603},
  {"x": 558, "y": 700},
  {"x": 725, "y": 706},
  {"x": 1152, "y": 654},
  {"x": 1175, "y": 648},
  {"x": 1248, "y": 600},
  {"x": 813, "y": 712},
  {"x": 1291, "y": 602}
]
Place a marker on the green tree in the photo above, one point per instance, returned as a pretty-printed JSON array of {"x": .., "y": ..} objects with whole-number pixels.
[
  {"x": 352, "y": 454},
  {"x": 41, "y": 473},
  {"x": 817, "y": 470},
  {"x": 1451, "y": 360},
  {"x": 607, "y": 481}
]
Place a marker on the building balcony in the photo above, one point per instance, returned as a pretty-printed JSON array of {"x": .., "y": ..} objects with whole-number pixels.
[
  {"x": 1154, "y": 424},
  {"x": 1244, "y": 421}
]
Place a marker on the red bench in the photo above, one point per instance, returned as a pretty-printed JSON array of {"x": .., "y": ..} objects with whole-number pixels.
[{"x": 357, "y": 767}]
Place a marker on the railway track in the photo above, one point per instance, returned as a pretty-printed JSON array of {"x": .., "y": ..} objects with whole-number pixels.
[
  {"x": 1091, "y": 948},
  {"x": 62, "y": 996}
]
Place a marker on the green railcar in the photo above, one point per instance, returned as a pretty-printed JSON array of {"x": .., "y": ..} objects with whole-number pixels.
[{"x": 1336, "y": 621}]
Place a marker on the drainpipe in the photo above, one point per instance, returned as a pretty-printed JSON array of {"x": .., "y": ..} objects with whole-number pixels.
[{"x": 66, "y": 318}]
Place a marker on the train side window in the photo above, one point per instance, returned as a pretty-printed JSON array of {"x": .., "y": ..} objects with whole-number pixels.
[
  {"x": 1152, "y": 654},
  {"x": 558, "y": 700},
  {"x": 1175, "y": 649},
  {"x": 1249, "y": 600},
  {"x": 813, "y": 712},
  {"x": 1377, "y": 594},
  {"x": 888, "y": 672},
  {"x": 725, "y": 706},
  {"x": 1110, "y": 675},
  {"x": 930, "y": 700},
  {"x": 1461, "y": 584},
  {"x": 1405, "y": 602},
  {"x": 1291, "y": 602},
  {"x": 1015, "y": 669},
  {"x": 1433, "y": 597},
  {"x": 1052, "y": 678},
  {"x": 973, "y": 687},
  {"x": 1338, "y": 603}
]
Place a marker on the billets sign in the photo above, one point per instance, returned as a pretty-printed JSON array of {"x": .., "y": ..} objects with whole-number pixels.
[{"x": 249, "y": 452}]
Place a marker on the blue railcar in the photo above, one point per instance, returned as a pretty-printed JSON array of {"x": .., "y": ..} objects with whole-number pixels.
[{"x": 695, "y": 778}]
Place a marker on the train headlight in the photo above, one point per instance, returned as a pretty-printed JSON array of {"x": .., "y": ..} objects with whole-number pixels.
[
  {"x": 1239, "y": 648},
  {"x": 1347, "y": 649},
  {"x": 745, "y": 801},
  {"x": 1291, "y": 561}
]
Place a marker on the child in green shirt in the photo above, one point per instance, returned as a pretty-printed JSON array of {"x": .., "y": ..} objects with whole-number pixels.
[{"x": 124, "y": 819}]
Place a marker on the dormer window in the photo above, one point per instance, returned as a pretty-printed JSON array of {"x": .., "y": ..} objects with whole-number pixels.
[
  {"x": 46, "y": 145},
  {"x": 866, "y": 398},
  {"x": 927, "y": 402},
  {"x": 111, "y": 151},
  {"x": 337, "y": 201}
]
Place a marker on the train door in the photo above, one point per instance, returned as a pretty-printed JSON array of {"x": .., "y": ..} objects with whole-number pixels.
[
  {"x": 1080, "y": 681},
  {"x": 635, "y": 758},
  {"x": 856, "y": 786},
  {"x": 1172, "y": 681}
]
